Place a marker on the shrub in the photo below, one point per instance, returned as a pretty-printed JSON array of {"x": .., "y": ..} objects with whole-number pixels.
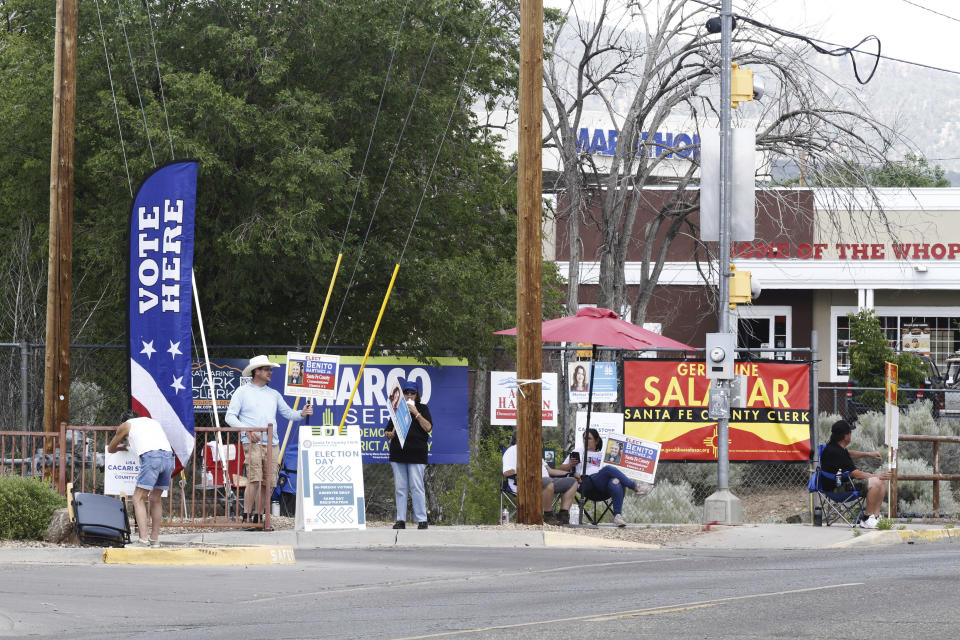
[
  {"x": 666, "y": 503},
  {"x": 26, "y": 505},
  {"x": 916, "y": 496}
]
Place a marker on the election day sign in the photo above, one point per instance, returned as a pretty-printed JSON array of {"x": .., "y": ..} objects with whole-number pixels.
[
  {"x": 667, "y": 401},
  {"x": 636, "y": 458},
  {"x": 443, "y": 388},
  {"x": 504, "y": 390},
  {"x": 311, "y": 375},
  {"x": 330, "y": 479}
]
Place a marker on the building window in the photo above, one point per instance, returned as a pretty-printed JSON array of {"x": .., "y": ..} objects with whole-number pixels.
[{"x": 935, "y": 336}]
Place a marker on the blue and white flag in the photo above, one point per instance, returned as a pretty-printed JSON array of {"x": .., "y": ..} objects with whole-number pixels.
[{"x": 161, "y": 265}]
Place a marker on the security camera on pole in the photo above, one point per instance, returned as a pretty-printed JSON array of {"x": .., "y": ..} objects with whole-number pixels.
[{"x": 722, "y": 506}]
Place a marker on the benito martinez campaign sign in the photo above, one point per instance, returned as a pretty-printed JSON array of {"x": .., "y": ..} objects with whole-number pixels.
[{"x": 667, "y": 401}]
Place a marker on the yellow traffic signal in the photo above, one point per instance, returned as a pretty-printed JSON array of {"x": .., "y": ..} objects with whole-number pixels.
[
  {"x": 741, "y": 85},
  {"x": 740, "y": 291}
]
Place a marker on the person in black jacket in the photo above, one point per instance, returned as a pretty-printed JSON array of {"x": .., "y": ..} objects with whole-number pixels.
[{"x": 410, "y": 460}]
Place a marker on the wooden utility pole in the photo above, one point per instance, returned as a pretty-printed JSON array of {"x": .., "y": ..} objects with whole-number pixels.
[
  {"x": 529, "y": 264},
  {"x": 56, "y": 383}
]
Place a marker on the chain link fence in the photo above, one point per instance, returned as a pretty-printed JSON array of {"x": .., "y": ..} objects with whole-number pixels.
[{"x": 470, "y": 493}]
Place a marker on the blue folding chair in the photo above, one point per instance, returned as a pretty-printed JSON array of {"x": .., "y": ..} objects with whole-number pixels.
[{"x": 837, "y": 499}]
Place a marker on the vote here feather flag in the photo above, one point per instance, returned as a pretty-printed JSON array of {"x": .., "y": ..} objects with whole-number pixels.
[{"x": 161, "y": 265}]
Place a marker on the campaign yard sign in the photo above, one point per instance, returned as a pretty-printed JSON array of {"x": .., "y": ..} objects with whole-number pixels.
[
  {"x": 443, "y": 388},
  {"x": 636, "y": 458},
  {"x": 311, "y": 375},
  {"x": 667, "y": 401},
  {"x": 604, "y": 381},
  {"x": 505, "y": 389},
  {"x": 227, "y": 378},
  {"x": 120, "y": 473},
  {"x": 330, "y": 479}
]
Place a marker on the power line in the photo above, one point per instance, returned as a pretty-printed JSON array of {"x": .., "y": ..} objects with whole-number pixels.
[{"x": 942, "y": 15}]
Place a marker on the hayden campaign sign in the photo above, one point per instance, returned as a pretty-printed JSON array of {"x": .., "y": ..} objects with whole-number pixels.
[
  {"x": 504, "y": 390},
  {"x": 667, "y": 401},
  {"x": 443, "y": 388},
  {"x": 160, "y": 297}
]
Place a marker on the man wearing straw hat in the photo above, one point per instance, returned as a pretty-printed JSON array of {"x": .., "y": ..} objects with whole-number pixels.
[{"x": 254, "y": 406}]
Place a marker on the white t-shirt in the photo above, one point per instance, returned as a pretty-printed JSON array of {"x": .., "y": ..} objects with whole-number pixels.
[
  {"x": 145, "y": 435},
  {"x": 510, "y": 462},
  {"x": 594, "y": 460}
]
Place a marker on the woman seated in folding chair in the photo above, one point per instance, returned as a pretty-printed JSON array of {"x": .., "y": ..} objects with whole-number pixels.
[
  {"x": 837, "y": 457},
  {"x": 601, "y": 483}
]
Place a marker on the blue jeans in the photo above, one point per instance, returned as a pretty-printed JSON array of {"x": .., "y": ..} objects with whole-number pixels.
[
  {"x": 607, "y": 483},
  {"x": 155, "y": 469},
  {"x": 409, "y": 478}
]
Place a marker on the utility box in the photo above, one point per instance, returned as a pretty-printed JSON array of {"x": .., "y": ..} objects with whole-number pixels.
[{"x": 721, "y": 348}]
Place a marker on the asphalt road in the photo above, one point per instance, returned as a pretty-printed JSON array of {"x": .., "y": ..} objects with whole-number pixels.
[{"x": 901, "y": 591}]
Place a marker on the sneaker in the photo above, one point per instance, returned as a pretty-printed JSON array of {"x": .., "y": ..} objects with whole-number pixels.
[
  {"x": 139, "y": 543},
  {"x": 421, "y": 525},
  {"x": 869, "y": 523},
  {"x": 154, "y": 544},
  {"x": 642, "y": 489},
  {"x": 619, "y": 521},
  {"x": 400, "y": 524}
]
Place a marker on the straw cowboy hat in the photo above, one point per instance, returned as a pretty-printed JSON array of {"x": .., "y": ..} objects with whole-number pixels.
[{"x": 255, "y": 363}]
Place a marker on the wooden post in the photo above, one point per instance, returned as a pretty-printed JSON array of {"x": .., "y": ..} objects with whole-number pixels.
[
  {"x": 529, "y": 263},
  {"x": 56, "y": 384}
]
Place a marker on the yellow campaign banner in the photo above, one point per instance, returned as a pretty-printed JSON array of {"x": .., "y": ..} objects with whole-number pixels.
[{"x": 667, "y": 401}]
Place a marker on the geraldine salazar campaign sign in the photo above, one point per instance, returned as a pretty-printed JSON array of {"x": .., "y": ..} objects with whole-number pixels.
[
  {"x": 444, "y": 390},
  {"x": 667, "y": 401}
]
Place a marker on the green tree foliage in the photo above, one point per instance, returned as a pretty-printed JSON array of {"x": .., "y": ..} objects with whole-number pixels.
[
  {"x": 914, "y": 171},
  {"x": 26, "y": 505},
  {"x": 277, "y": 101},
  {"x": 868, "y": 352}
]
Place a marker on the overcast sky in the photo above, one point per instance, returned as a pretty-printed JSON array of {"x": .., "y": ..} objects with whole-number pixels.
[{"x": 906, "y": 30}]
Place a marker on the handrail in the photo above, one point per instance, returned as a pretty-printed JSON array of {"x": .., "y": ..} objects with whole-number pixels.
[{"x": 936, "y": 477}]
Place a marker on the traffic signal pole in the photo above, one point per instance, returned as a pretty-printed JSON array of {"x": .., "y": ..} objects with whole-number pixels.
[{"x": 723, "y": 507}]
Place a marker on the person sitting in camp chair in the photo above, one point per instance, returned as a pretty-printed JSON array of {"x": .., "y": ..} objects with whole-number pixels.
[
  {"x": 554, "y": 482},
  {"x": 837, "y": 457}
]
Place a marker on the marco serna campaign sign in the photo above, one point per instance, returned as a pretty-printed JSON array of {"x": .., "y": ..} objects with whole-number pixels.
[{"x": 444, "y": 390}]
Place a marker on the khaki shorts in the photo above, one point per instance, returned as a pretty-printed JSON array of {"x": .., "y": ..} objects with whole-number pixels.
[{"x": 256, "y": 458}]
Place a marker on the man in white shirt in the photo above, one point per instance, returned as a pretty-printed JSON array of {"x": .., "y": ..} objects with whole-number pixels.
[
  {"x": 255, "y": 406},
  {"x": 554, "y": 482},
  {"x": 145, "y": 437}
]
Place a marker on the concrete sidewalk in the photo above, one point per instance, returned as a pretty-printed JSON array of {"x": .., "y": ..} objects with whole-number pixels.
[
  {"x": 719, "y": 537},
  {"x": 748, "y": 536}
]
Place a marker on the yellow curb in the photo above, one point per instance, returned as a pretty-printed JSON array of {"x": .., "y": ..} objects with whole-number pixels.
[
  {"x": 895, "y": 536},
  {"x": 555, "y": 539},
  {"x": 233, "y": 556},
  {"x": 929, "y": 534}
]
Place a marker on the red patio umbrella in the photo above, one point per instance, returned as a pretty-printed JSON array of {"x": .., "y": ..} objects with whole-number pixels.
[{"x": 599, "y": 326}]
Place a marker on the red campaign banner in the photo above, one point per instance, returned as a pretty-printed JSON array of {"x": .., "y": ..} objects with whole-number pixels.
[{"x": 667, "y": 401}]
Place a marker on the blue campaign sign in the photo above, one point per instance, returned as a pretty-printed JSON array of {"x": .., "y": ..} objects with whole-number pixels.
[{"x": 444, "y": 391}]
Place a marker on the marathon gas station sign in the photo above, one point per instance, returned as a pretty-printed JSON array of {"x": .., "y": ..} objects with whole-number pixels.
[{"x": 667, "y": 401}]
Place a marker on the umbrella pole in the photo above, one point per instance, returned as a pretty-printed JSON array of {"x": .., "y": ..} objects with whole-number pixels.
[{"x": 583, "y": 473}]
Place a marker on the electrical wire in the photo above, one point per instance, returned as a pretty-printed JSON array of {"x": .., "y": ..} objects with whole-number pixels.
[
  {"x": 933, "y": 11},
  {"x": 163, "y": 99},
  {"x": 386, "y": 177},
  {"x": 113, "y": 92},
  {"x": 133, "y": 69}
]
